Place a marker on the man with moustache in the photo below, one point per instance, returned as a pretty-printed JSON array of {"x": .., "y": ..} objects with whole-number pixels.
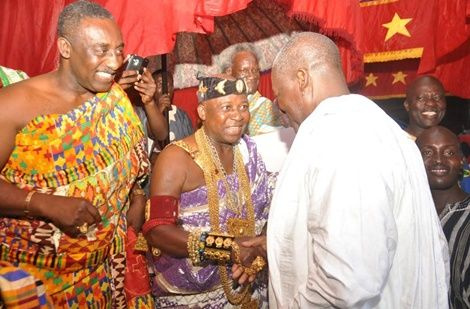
[
  {"x": 443, "y": 160},
  {"x": 425, "y": 103},
  {"x": 209, "y": 188},
  {"x": 347, "y": 233},
  {"x": 72, "y": 154}
]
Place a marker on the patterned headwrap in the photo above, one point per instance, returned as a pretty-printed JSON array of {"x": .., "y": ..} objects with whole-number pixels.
[{"x": 215, "y": 87}]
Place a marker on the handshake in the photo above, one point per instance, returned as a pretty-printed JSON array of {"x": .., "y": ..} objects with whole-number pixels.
[{"x": 247, "y": 254}]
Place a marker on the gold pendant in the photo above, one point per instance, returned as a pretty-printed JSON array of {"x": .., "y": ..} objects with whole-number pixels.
[
  {"x": 141, "y": 243},
  {"x": 239, "y": 227}
]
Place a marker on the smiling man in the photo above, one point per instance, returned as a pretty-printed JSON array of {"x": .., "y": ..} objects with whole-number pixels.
[
  {"x": 354, "y": 233},
  {"x": 72, "y": 152},
  {"x": 210, "y": 186},
  {"x": 443, "y": 160},
  {"x": 244, "y": 64},
  {"x": 425, "y": 103}
]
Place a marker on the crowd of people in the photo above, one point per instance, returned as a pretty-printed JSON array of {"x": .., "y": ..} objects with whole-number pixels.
[{"x": 96, "y": 211}]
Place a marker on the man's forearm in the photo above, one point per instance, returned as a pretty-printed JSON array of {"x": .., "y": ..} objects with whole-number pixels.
[{"x": 157, "y": 123}]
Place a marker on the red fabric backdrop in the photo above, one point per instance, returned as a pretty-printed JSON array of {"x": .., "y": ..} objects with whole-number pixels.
[
  {"x": 28, "y": 28},
  {"x": 435, "y": 33}
]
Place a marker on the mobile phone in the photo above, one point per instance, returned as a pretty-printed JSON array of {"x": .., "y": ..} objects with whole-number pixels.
[{"x": 136, "y": 63}]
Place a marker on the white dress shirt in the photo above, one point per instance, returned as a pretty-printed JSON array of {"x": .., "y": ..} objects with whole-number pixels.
[{"x": 352, "y": 223}]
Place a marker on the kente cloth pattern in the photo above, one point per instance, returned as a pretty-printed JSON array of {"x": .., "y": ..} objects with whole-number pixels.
[
  {"x": 264, "y": 117},
  {"x": 10, "y": 76},
  {"x": 95, "y": 151},
  {"x": 177, "y": 282},
  {"x": 18, "y": 289}
]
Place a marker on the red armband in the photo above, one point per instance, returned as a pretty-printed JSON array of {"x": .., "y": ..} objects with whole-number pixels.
[{"x": 163, "y": 211}]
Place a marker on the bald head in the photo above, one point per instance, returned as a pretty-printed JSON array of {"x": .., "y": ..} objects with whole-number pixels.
[
  {"x": 437, "y": 135},
  {"x": 425, "y": 103},
  {"x": 426, "y": 80},
  {"x": 305, "y": 72},
  {"x": 309, "y": 49}
]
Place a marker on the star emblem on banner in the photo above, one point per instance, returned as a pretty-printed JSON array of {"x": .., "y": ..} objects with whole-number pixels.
[
  {"x": 399, "y": 77},
  {"x": 371, "y": 79},
  {"x": 397, "y": 25}
]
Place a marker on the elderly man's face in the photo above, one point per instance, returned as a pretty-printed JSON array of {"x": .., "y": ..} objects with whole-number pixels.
[
  {"x": 427, "y": 105},
  {"x": 442, "y": 158},
  {"x": 245, "y": 66},
  {"x": 96, "y": 53},
  {"x": 225, "y": 118}
]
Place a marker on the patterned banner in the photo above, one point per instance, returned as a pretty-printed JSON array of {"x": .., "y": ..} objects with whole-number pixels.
[
  {"x": 395, "y": 29},
  {"x": 434, "y": 33},
  {"x": 385, "y": 80}
]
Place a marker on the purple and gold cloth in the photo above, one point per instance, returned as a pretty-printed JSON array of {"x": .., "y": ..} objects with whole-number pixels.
[{"x": 177, "y": 282}]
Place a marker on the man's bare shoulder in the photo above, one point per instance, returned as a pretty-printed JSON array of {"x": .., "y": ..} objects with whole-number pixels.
[
  {"x": 178, "y": 155},
  {"x": 20, "y": 101}
]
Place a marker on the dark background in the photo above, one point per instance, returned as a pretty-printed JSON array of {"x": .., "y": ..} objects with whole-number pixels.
[{"x": 457, "y": 117}]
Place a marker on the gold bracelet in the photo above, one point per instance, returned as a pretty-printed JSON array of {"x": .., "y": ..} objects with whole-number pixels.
[
  {"x": 138, "y": 191},
  {"x": 27, "y": 201},
  {"x": 218, "y": 247},
  {"x": 236, "y": 253},
  {"x": 256, "y": 266},
  {"x": 193, "y": 247},
  {"x": 216, "y": 255}
]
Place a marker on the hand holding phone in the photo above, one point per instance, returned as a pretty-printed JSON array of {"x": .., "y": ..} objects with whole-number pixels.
[{"x": 136, "y": 63}]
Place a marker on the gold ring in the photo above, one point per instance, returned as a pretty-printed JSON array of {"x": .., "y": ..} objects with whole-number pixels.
[
  {"x": 259, "y": 263},
  {"x": 83, "y": 228},
  {"x": 256, "y": 266}
]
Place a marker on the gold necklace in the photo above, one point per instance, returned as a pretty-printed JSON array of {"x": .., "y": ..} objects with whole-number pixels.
[
  {"x": 232, "y": 197},
  {"x": 211, "y": 178}
]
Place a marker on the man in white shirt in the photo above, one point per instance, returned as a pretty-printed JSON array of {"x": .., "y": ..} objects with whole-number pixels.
[{"x": 352, "y": 223}]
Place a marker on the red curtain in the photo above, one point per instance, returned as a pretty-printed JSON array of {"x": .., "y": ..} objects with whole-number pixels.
[
  {"x": 28, "y": 28},
  {"x": 28, "y": 34},
  {"x": 150, "y": 27},
  {"x": 339, "y": 19},
  {"x": 437, "y": 33}
]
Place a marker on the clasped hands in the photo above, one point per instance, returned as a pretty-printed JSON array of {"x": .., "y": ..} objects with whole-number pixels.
[{"x": 252, "y": 258}]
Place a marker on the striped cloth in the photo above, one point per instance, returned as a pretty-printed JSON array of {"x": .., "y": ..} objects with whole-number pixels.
[
  {"x": 455, "y": 219},
  {"x": 10, "y": 76},
  {"x": 18, "y": 289},
  {"x": 264, "y": 116}
]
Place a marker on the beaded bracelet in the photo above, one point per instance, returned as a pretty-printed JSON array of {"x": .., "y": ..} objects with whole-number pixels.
[
  {"x": 218, "y": 247},
  {"x": 27, "y": 201},
  {"x": 201, "y": 248},
  {"x": 192, "y": 244}
]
